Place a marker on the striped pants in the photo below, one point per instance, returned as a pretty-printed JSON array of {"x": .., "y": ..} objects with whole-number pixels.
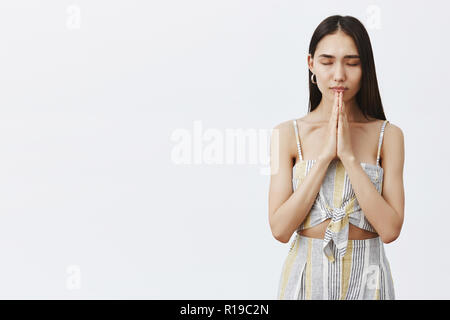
[{"x": 362, "y": 274}]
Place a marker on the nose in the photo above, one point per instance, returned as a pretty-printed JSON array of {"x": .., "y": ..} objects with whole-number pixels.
[{"x": 339, "y": 73}]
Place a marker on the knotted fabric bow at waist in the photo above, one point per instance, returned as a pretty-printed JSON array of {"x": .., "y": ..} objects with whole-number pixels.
[{"x": 337, "y": 230}]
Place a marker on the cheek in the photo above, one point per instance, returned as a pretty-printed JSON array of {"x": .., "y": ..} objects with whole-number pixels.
[
  {"x": 323, "y": 76},
  {"x": 356, "y": 74},
  {"x": 322, "y": 69},
  {"x": 355, "y": 78}
]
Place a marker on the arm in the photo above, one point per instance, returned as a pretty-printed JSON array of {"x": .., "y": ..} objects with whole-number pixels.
[
  {"x": 385, "y": 212},
  {"x": 288, "y": 209}
]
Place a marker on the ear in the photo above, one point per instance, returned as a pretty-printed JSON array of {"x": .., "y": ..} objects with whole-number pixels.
[{"x": 310, "y": 62}]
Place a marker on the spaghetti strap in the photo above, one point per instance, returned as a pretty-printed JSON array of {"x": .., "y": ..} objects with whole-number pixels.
[
  {"x": 297, "y": 136},
  {"x": 301, "y": 277},
  {"x": 380, "y": 141}
]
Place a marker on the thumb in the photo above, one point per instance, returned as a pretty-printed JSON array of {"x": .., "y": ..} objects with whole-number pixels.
[
  {"x": 336, "y": 106},
  {"x": 339, "y": 122}
]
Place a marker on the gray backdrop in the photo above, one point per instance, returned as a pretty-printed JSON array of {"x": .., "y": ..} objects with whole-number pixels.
[{"x": 134, "y": 142}]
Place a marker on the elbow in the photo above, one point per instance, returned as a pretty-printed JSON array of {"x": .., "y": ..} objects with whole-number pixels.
[
  {"x": 277, "y": 233},
  {"x": 280, "y": 231},
  {"x": 387, "y": 240},
  {"x": 282, "y": 239},
  {"x": 394, "y": 233},
  {"x": 280, "y": 236},
  {"x": 391, "y": 237}
]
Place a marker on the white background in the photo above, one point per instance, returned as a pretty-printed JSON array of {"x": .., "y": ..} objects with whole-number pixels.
[{"x": 93, "y": 201}]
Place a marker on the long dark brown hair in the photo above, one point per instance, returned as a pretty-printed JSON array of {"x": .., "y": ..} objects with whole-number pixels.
[{"x": 368, "y": 96}]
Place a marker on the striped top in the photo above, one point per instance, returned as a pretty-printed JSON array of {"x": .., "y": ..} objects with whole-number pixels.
[{"x": 336, "y": 198}]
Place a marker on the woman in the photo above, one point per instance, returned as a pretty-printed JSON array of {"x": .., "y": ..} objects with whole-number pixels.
[{"x": 345, "y": 163}]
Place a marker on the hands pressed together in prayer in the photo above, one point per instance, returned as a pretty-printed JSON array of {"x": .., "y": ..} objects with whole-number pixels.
[{"x": 338, "y": 143}]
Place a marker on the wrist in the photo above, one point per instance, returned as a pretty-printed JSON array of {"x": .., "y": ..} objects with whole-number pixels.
[
  {"x": 351, "y": 159},
  {"x": 325, "y": 159}
]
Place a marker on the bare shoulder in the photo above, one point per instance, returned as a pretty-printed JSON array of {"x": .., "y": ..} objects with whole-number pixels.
[
  {"x": 286, "y": 136},
  {"x": 393, "y": 134},
  {"x": 393, "y": 147},
  {"x": 284, "y": 125},
  {"x": 284, "y": 130},
  {"x": 287, "y": 129}
]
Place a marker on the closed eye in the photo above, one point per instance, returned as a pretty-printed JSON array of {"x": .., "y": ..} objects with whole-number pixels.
[{"x": 348, "y": 64}]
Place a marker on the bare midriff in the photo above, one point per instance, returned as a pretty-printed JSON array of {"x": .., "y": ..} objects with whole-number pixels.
[{"x": 354, "y": 233}]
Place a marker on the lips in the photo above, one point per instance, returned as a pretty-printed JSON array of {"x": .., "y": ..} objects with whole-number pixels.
[{"x": 339, "y": 89}]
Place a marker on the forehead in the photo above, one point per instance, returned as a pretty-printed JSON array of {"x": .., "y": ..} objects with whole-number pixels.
[{"x": 338, "y": 45}]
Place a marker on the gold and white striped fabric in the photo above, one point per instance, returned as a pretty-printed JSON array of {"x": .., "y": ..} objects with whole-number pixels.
[
  {"x": 363, "y": 273},
  {"x": 337, "y": 201}
]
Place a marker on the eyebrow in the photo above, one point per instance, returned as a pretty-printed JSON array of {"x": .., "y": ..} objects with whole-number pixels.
[{"x": 349, "y": 56}]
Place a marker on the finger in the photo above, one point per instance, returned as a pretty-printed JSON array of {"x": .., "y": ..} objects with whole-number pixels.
[
  {"x": 335, "y": 110},
  {"x": 339, "y": 117},
  {"x": 336, "y": 106},
  {"x": 342, "y": 114},
  {"x": 336, "y": 99},
  {"x": 339, "y": 101}
]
